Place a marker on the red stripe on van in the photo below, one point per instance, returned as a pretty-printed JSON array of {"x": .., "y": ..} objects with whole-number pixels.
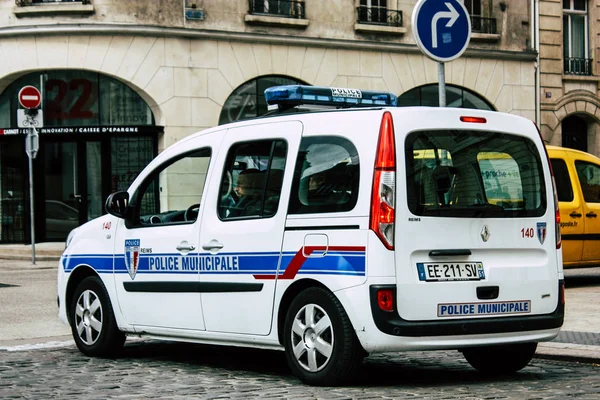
[{"x": 301, "y": 256}]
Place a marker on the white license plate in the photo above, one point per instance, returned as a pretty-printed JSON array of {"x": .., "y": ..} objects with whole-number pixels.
[{"x": 451, "y": 271}]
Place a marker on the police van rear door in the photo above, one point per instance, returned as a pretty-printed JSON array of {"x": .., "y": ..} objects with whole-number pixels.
[{"x": 475, "y": 233}]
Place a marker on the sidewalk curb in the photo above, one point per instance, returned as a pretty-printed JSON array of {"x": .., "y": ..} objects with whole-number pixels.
[
  {"x": 568, "y": 352},
  {"x": 4, "y": 257}
]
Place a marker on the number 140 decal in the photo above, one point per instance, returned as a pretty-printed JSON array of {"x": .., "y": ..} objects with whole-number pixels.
[{"x": 527, "y": 233}]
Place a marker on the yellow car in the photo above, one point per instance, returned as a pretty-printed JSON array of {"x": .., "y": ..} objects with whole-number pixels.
[{"x": 577, "y": 176}]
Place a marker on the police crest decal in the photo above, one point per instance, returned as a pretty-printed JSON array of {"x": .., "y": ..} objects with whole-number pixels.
[
  {"x": 132, "y": 256},
  {"x": 541, "y": 231}
]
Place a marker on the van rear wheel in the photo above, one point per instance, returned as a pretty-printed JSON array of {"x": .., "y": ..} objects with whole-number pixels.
[
  {"x": 498, "y": 360},
  {"x": 92, "y": 320},
  {"x": 320, "y": 344}
]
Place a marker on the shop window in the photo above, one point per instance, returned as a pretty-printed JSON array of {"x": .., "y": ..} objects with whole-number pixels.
[
  {"x": 129, "y": 155},
  {"x": 13, "y": 199},
  {"x": 78, "y": 98},
  {"x": 458, "y": 97},
  {"x": 248, "y": 100}
]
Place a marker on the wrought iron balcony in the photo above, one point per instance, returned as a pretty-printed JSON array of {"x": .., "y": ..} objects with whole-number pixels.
[
  {"x": 23, "y": 3},
  {"x": 578, "y": 66},
  {"x": 278, "y": 8},
  {"x": 483, "y": 25},
  {"x": 378, "y": 16}
]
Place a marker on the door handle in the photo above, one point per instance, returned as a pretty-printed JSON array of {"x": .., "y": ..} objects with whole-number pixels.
[
  {"x": 575, "y": 214},
  {"x": 185, "y": 246},
  {"x": 450, "y": 252},
  {"x": 213, "y": 246},
  {"x": 591, "y": 215}
]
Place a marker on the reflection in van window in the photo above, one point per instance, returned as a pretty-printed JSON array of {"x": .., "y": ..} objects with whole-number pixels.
[
  {"x": 325, "y": 177},
  {"x": 589, "y": 178},
  {"x": 501, "y": 179},
  {"x": 473, "y": 174},
  {"x": 564, "y": 188}
]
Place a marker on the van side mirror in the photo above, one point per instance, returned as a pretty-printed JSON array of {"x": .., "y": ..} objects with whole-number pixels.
[{"x": 116, "y": 204}]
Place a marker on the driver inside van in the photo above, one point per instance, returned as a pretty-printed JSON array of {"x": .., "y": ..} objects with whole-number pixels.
[{"x": 249, "y": 190}]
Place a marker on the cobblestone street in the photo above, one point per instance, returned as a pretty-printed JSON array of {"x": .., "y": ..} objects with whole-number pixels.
[{"x": 152, "y": 369}]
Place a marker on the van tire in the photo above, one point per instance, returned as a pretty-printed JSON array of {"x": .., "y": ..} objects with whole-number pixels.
[
  {"x": 335, "y": 335},
  {"x": 93, "y": 321},
  {"x": 499, "y": 360}
]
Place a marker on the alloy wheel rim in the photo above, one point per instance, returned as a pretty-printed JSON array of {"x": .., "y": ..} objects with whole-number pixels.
[
  {"x": 312, "y": 338},
  {"x": 88, "y": 317}
]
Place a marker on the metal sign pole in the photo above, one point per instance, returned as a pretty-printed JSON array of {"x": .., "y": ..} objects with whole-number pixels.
[
  {"x": 442, "y": 83},
  {"x": 30, "y": 139},
  {"x": 442, "y": 30}
]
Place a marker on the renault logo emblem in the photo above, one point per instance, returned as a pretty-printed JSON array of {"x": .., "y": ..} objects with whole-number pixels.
[{"x": 485, "y": 233}]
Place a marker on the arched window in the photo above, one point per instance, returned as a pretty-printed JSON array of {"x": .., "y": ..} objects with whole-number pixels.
[
  {"x": 574, "y": 133},
  {"x": 456, "y": 96},
  {"x": 78, "y": 98},
  {"x": 248, "y": 100}
]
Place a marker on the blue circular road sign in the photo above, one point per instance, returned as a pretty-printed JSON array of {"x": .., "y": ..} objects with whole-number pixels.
[{"x": 441, "y": 28}]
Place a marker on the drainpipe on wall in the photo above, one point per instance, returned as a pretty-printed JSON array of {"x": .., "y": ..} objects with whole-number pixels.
[{"x": 535, "y": 34}]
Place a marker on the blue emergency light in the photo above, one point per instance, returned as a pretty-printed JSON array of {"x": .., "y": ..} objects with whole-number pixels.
[{"x": 293, "y": 95}]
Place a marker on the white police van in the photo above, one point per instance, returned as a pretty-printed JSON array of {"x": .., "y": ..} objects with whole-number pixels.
[{"x": 330, "y": 234}]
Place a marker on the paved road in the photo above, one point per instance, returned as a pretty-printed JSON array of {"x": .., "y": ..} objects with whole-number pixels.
[
  {"x": 167, "y": 370},
  {"x": 153, "y": 369}
]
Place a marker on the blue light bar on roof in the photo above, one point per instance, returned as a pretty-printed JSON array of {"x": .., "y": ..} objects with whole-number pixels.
[{"x": 293, "y": 95}]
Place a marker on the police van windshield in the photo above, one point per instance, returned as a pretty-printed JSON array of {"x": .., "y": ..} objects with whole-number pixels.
[{"x": 457, "y": 173}]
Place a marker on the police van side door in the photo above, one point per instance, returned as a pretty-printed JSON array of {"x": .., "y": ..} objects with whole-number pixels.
[
  {"x": 156, "y": 249},
  {"x": 241, "y": 237}
]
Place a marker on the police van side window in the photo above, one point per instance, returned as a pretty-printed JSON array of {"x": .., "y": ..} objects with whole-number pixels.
[
  {"x": 474, "y": 174},
  {"x": 172, "y": 194},
  {"x": 589, "y": 178},
  {"x": 326, "y": 177},
  {"x": 564, "y": 189},
  {"x": 251, "y": 181}
]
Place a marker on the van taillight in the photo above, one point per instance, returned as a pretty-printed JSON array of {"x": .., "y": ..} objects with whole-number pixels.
[
  {"x": 385, "y": 299},
  {"x": 554, "y": 192},
  {"x": 383, "y": 197},
  {"x": 474, "y": 120},
  {"x": 558, "y": 235}
]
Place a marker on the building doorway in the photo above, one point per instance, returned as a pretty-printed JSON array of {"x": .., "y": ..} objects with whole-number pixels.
[{"x": 574, "y": 133}]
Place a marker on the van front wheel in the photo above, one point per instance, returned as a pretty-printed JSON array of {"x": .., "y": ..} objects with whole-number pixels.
[
  {"x": 505, "y": 359},
  {"x": 92, "y": 320},
  {"x": 320, "y": 344}
]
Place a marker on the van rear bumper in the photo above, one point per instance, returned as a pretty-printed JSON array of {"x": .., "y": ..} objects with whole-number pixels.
[{"x": 392, "y": 324}]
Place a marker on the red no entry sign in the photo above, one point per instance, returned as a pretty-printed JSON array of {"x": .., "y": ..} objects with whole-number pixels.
[{"x": 30, "y": 97}]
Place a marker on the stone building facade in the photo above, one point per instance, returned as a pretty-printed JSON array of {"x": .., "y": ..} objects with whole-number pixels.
[
  {"x": 122, "y": 80},
  {"x": 570, "y": 75}
]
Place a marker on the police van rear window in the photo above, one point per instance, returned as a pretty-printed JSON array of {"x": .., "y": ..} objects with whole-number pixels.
[{"x": 458, "y": 173}]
